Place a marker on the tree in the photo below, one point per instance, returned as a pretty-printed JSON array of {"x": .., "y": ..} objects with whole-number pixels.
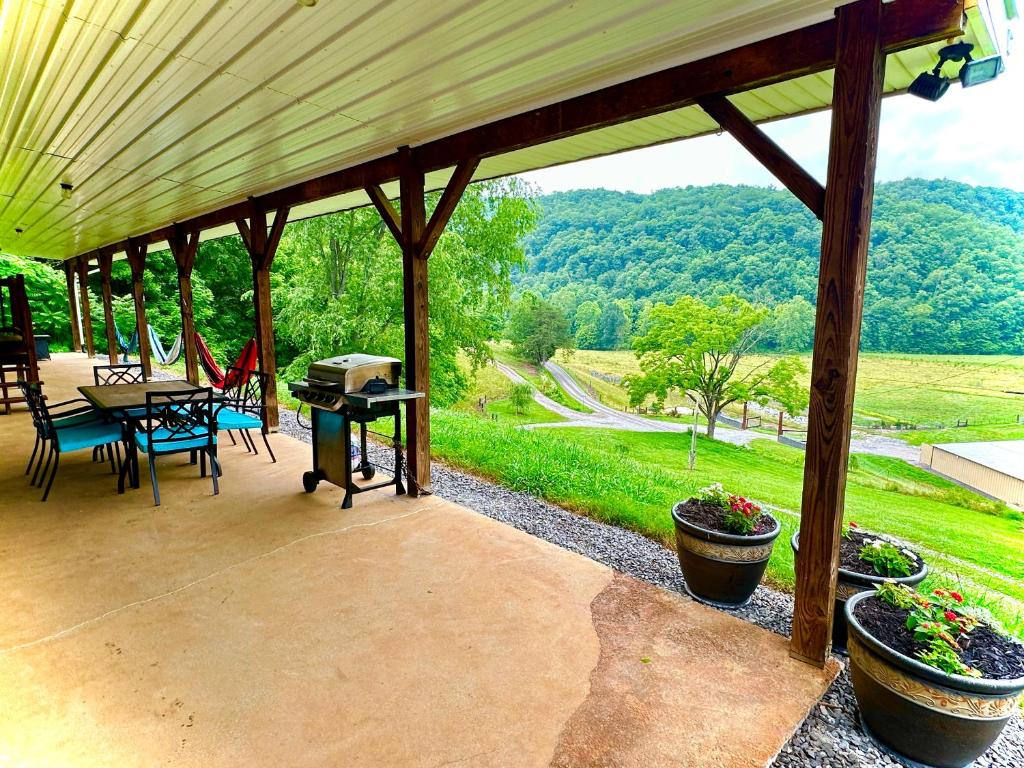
[
  {"x": 337, "y": 284},
  {"x": 537, "y": 329},
  {"x": 696, "y": 349},
  {"x": 791, "y": 326},
  {"x": 588, "y": 315},
  {"x": 520, "y": 396}
]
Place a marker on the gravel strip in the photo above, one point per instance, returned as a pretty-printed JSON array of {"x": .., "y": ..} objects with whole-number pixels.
[{"x": 828, "y": 738}]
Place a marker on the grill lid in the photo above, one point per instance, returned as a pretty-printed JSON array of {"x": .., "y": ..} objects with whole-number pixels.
[{"x": 352, "y": 372}]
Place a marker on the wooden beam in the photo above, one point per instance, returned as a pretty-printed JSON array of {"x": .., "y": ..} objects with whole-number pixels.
[
  {"x": 136, "y": 253},
  {"x": 860, "y": 68},
  {"x": 767, "y": 152},
  {"x": 417, "y": 338},
  {"x": 261, "y": 242},
  {"x": 70, "y": 269},
  {"x": 446, "y": 205},
  {"x": 83, "y": 293},
  {"x": 184, "y": 245},
  {"x": 906, "y": 24},
  {"x": 105, "y": 260},
  {"x": 386, "y": 210}
]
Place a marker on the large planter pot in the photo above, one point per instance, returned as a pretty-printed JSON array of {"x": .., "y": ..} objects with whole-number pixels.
[
  {"x": 922, "y": 713},
  {"x": 722, "y": 569},
  {"x": 850, "y": 583}
]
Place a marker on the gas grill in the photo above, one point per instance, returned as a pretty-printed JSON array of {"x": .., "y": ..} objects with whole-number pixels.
[{"x": 346, "y": 390}]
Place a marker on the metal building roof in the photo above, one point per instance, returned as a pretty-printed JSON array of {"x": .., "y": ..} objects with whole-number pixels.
[
  {"x": 160, "y": 110},
  {"x": 1005, "y": 456}
]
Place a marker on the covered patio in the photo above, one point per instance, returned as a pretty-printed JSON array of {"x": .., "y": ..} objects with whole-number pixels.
[
  {"x": 265, "y": 627},
  {"x": 262, "y": 627}
]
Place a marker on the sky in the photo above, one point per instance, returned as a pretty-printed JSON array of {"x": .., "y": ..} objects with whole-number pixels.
[{"x": 974, "y": 135}]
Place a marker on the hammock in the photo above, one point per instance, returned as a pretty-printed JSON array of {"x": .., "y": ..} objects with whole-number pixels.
[
  {"x": 127, "y": 346},
  {"x": 163, "y": 357},
  {"x": 246, "y": 363}
]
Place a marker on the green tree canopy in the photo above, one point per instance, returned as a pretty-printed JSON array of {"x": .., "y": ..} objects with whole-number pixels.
[
  {"x": 537, "y": 329},
  {"x": 696, "y": 348}
]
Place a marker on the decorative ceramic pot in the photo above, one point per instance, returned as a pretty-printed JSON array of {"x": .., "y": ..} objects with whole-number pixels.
[
  {"x": 722, "y": 569},
  {"x": 919, "y": 712},
  {"x": 850, "y": 583}
]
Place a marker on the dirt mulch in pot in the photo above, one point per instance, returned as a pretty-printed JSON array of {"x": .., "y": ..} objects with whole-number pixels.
[
  {"x": 709, "y": 516},
  {"x": 849, "y": 554},
  {"x": 995, "y": 656}
]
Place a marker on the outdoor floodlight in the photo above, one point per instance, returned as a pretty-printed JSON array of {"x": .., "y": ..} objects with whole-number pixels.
[{"x": 932, "y": 85}]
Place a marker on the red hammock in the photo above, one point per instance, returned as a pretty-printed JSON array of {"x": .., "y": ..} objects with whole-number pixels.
[{"x": 246, "y": 363}]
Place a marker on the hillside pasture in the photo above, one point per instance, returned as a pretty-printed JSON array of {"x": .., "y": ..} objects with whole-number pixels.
[{"x": 929, "y": 392}]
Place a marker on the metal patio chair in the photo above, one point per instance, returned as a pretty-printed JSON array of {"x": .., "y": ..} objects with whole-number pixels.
[
  {"x": 179, "y": 422},
  {"x": 123, "y": 373},
  {"x": 66, "y": 430},
  {"x": 244, "y": 407}
]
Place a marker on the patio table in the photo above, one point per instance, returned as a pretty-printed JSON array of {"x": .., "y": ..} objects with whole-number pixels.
[{"x": 115, "y": 400}]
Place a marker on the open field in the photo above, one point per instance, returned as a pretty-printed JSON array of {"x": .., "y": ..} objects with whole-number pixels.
[
  {"x": 632, "y": 480},
  {"x": 931, "y": 391}
]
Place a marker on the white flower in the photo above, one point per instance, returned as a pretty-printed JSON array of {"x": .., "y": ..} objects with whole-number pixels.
[{"x": 877, "y": 544}]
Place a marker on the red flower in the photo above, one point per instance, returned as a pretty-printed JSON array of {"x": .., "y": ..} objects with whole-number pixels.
[
  {"x": 950, "y": 616},
  {"x": 853, "y": 524},
  {"x": 957, "y": 596}
]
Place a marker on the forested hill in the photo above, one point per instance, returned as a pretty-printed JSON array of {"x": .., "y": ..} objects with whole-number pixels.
[{"x": 946, "y": 269}]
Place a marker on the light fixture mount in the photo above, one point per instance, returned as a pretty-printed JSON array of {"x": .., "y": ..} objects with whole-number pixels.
[{"x": 932, "y": 85}]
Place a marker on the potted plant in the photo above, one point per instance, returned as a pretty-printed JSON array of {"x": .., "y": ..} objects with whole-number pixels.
[
  {"x": 724, "y": 542},
  {"x": 935, "y": 680},
  {"x": 865, "y": 561}
]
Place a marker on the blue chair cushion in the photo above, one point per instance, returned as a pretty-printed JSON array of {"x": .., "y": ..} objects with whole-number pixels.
[
  {"x": 181, "y": 440},
  {"x": 89, "y": 435},
  {"x": 231, "y": 419}
]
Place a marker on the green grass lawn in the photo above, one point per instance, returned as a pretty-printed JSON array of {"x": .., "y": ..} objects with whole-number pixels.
[{"x": 632, "y": 480}]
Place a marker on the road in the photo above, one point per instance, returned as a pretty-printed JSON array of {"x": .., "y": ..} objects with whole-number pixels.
[
  {"x": 606, "y": 417},
  {"x": 603, "y": 416}
]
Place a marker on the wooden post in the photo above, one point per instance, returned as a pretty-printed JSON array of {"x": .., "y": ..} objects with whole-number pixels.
[
  {"x": 105, "y": 259},
  {"x": 136, "y": 252},
  {"x": 781, "y": 414},
  {"x": 70, "y": 266},
  {"x": 83, "y": 290},
  {"x": 417, "y": 335},
  {"x": 418, "y": 237},
  {"x": 743, "y": 425},
  {"x": 184, "y": 246},
  {"x": 857, "y": 94},
  {"x": 262, "y": 243}
]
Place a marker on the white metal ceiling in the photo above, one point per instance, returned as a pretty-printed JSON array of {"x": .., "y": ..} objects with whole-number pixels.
[{"x": 159, "y": 110}]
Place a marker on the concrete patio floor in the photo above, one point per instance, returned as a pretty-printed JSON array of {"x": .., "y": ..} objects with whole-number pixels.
[{"x": 268, "y": 627}]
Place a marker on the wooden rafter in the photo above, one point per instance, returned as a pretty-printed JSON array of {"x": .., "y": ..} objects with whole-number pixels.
[
  {"x": 446, "y": 205},
  {"x": 805, "y": 187},
  {"x": 905, "y": 24},
  {"x": 385, "y": 209}
]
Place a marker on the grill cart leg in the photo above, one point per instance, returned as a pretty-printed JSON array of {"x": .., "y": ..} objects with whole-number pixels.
[
  {"x": 346, "y": 434},
  {"x": 364, "y": 463},
  {"x": 399, "y": 468}
]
